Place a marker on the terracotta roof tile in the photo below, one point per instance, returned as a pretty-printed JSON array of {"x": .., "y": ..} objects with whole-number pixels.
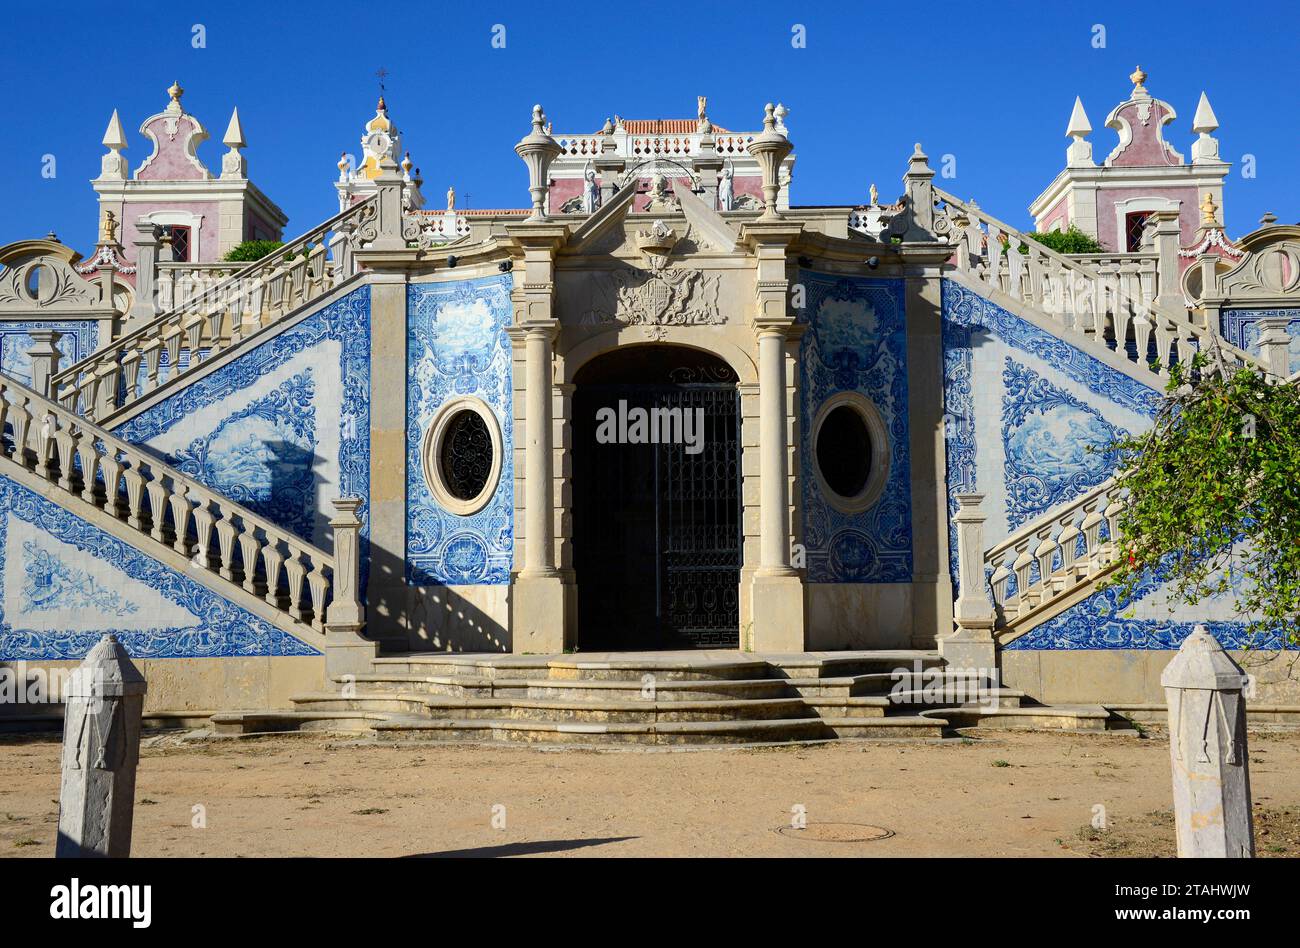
[{"x": 667, "y": 127}]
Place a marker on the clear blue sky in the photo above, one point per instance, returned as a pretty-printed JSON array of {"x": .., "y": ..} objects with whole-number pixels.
[{"x": 990, "y": 83}]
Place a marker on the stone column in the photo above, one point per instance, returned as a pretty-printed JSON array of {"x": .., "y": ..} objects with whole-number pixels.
[
  {"x": 1274, "y": 345},
  {"x": 1207, "y": 747},
  {"x": 346, "y": 652},
  {"x": 541, "y": 614},
  {"x": 918, "y": 184},
  {"x": 44, "y": 354},
  {"x": 777, "y": 609},
  {"x": 971, "y": 646},
  {"x": 101, "y": 748},
  {"x": 144, "y": 308}
]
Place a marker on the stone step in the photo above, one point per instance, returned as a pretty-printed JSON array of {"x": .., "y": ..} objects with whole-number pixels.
[
  {"x": 253, "y": 723},
  {"x": 1035, "y": 717},
  {"x": 848, "y": 707},
  {"x": 560, "y": 732},
  {"x": 884, "y": 683},
  {"x": 571, "y": 668},
  {"x": 644, "y": 712},
  {"x": 906, "y": 727},
  {"x": 613, "y": 690},
  {"x": 956, "y": 698},
  {"x": 850, "y": 664}
]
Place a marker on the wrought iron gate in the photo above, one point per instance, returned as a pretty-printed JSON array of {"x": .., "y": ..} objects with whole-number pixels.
[{"x": 657, "y": 530}]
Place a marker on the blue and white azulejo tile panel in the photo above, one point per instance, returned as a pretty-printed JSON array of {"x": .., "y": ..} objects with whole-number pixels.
[
  {"x": 1241, "y": 328},
  {"x": 284, "y": 428},
  {"x": 856, "y": 342},
  {"x": 80, "y": 338},
  {"x": 65, "y": 582},
  {"x": 457, "y": 346}
]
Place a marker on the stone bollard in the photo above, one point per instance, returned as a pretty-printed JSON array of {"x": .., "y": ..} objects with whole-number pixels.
[
  {"x": 1207, "y": 746},
  {"x": 101, "y": 748}
]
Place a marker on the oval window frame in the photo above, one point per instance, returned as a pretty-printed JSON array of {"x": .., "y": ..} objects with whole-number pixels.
[
  {"x": 431, "y": 454},
  {"x": 881, "y": 458}
]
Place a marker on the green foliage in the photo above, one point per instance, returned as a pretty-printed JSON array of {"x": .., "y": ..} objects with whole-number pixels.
[
  {"x": 1068, "y": 241},
  {"x": 252, "y": 250},
  {"x": 1213, "y": 494}
]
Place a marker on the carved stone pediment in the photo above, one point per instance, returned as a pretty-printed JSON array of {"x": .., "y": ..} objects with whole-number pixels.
[{"x": 42, "y": 283}]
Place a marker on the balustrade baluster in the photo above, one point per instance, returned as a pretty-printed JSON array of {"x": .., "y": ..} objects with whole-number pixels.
[
  {"x": 295, "y": 570},
  {"x": 272, "y": 560},
  {"x": 226, "y": 544},
  {"x": 20, "y": 421},
  {"x": 318, "y": 584},
  {"x": 250, "y": 549},
  {"x": 158, "y": 497},
  {"x": 181, "y": 506},
  {"x": 203, "y": 523},
  {"x": 134, "y": 481},
  {"x": 66, "y": 443}
]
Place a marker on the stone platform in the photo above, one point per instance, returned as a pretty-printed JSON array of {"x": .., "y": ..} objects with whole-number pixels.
[{"x": 658, "y": 698}]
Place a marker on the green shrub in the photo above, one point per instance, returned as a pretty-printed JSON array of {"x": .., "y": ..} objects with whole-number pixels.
[
  {"x": 1068, "y": 241},
  {"x": 252, "y": 250}
]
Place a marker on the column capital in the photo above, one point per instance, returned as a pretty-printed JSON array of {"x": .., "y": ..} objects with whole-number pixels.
[{"x": 522, "y": 330}]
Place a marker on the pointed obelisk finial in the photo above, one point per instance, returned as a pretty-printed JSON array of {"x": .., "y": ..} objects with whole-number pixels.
[{"x": 1079, "y": 152}]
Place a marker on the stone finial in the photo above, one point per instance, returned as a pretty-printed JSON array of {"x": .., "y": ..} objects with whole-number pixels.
[
  {"x": 1207, "y": 748},
  {"x": 1205, "y": 148},
  {"x": 1138, "y": 78},
  {"x": 1268, "y": 219},
  {"x": 1079, "y": 126},
  {"x": 113, "y": 165},
  {"x": 1204, "y": 121},
  {"x": 875, "y": 194},
  {"x": 233, "y": 164},
  {"x": 1079, "y": 152},
  {"x": 538, "y": 149},
  {"x": 770, "y": 148},
  {"x": 343, "y": 166},
  {"x": 175, "y": 92},
  {"x": 101, "y": 749},
  {"x": 779, "y": 113}
]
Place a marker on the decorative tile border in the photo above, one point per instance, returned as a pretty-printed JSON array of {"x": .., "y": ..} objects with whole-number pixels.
[{"x": 1241, "y": 328}]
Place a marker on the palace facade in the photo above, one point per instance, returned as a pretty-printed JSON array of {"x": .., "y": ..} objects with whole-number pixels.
[{"x": 864, "y": 429}]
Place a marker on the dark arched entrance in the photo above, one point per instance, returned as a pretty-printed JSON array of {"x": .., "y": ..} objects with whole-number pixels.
[{"x": 656, "y": 506}]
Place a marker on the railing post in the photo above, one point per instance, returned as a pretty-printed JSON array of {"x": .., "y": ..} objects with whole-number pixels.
[
  {"x": 147, "y": 236},
  {"x": 1207, "y": 747},
  {"x": 918, "y": 184},
  {"x": 971, "y": 645},
  {"x": 388, "y": 207},
  {"x": 44, "y": 354},
  {"x": 1274, "y": 345},
  {"x": 1169, "y": 294},
  {"x": 101, "y": 748},
  {"x": 346, "y": 652}
]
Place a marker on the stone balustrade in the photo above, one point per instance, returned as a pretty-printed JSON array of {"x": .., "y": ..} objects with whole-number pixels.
[
  {"x": 437, "y": 227},
  {"x": 654, "y": 146},
  {"x": 1058, "y": 553},
  {"x": 1109, "y": 302},
  {"x": 164, "y": 507},
  {"x": 209, "y": 322}
]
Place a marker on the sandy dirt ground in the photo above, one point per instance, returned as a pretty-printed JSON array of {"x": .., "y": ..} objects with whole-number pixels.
[{"x": 1015, "y": 794}]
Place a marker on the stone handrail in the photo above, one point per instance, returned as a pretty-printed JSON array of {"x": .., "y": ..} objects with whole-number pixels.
[
  {"x": 1091, "y": 301},
  {"x": 264, "y": 292},
  {"x": 164, "y": 507},
  {"x": 1055, "y": 554}
]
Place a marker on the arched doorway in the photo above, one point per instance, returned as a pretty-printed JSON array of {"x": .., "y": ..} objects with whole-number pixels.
[{"x": 657, "y": 534}]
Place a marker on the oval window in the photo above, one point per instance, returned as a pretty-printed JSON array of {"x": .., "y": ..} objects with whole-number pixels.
[
  {"x": 466, "y": 455},
  {"x": 844, "y": 451},
  {"x": 462, "y": 455}
]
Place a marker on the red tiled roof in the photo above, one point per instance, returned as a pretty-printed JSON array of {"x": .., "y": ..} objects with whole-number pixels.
[{"x": 667, "y": 127}]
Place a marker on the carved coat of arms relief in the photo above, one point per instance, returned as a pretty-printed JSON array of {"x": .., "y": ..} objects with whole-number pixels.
[{"x": 660, "y": 293}]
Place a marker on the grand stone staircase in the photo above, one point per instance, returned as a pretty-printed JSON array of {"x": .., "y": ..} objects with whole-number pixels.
[{"x": 657, "y": 699}]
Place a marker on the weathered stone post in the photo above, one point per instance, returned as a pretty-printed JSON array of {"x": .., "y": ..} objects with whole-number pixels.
[
  {"x": 45, "y": 355},
  {"x": 1207, "y": 746},
  {"x": 346, "y": 652},
  {"x": 971, "y": 646},
  {"x": 147, "y": 237},
  {"x": 1275, "y": 345},
  {"x": 101, "y": 748},
  {"x": 1166, "y": 237}
]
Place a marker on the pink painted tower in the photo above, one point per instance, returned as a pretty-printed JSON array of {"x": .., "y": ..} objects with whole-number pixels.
[{"x": 1142, "y": 174}]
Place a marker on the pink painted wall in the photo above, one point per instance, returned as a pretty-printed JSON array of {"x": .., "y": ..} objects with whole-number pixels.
[
  {"x": 1107, "y": 198},
  {"x": 1147, "y": 149},
  {"x": 207, "y": 228},
  {"x": 171, "y": 163}
]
